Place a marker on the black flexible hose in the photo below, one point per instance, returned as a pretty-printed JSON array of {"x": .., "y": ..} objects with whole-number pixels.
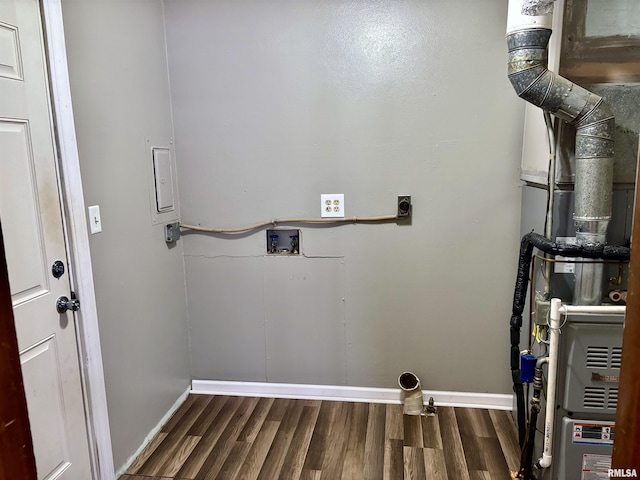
[{"x": 528, "y": 242}]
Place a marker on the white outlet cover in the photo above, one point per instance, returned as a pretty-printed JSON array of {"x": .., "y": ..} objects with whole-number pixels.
[{"x": 332, "y": 205}]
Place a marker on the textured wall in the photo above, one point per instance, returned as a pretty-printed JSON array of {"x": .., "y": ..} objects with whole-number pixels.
[
  {"x": 120, "y": 93},
  {"x": 277, "y": 102}
]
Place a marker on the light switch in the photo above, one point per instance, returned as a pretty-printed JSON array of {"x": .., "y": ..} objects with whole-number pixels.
[
  {"x": 95, "y": 223},
  {"x": 163, "y": 179}
]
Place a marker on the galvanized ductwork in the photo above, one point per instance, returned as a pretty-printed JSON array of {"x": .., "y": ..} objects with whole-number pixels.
[{"x": 527, "y": 40}]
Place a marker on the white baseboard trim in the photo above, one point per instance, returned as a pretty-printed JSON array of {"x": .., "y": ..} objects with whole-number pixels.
[
  {"x": 493, "y": 401},
  {"x": 153, "y": 432}
]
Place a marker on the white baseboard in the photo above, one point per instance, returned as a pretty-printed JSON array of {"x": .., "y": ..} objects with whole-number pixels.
[
  {"x": 153, "y": 432},
  {"x": 493, "y": 401}
]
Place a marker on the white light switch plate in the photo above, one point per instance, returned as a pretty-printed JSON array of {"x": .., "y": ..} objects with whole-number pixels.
[
  {"x": 95, "y": 223},
  {"x": 332, "y": 205}
]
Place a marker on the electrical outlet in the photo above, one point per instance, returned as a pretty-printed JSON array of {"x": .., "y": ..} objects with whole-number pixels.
[
  {"x": 404, "y": 206},
  {"x": 332, "y": 205}
]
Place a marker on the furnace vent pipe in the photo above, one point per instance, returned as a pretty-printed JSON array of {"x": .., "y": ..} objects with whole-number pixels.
[{"x": 527, "y": 40}]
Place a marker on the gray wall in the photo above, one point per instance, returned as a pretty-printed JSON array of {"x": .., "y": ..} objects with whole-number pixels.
[
  {"x": 277, "y": 102},
  {"x": 120, "y": 92}
]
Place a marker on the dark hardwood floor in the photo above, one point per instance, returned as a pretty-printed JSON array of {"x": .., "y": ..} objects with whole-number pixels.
[{"x": 218, "y": 437}]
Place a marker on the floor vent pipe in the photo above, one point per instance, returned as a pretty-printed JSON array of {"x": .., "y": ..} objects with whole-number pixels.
[{"x": 411, "y": 393}]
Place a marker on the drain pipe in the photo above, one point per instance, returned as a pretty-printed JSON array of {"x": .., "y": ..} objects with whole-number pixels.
[
  {"x": 527, "y": 39},
  {"x": 554, "y": 340}
]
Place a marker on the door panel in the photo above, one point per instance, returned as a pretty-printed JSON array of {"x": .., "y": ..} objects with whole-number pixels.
[
  {"x": 26, "y": 256},
  {"x": 45, "y": 398},
  {"x": 33, "y": 234},
  {"x": 10, "y": 64}
]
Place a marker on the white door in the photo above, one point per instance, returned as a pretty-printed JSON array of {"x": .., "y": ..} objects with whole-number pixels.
[{"x": 32, "y": 227}]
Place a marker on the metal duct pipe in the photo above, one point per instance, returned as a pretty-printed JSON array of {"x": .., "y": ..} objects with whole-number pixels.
[{"x": 527, "y": 40}]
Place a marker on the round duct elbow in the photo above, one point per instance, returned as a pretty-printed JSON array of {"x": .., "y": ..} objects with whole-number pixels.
[
  {"x": 534, "y": 82},
  {"x": 411, "y": 393}
]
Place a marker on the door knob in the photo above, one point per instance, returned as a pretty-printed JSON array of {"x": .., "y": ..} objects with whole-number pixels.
[{"x": 63, "y": 304}]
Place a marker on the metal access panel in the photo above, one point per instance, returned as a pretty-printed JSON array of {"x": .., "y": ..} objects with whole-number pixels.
[
  {"x": 304, "y": 347},
  {"x": 584, "y": 449},
  {"x": 593, "y": 356}
]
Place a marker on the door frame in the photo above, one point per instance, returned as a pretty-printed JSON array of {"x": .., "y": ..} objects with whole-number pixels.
[{"x": 77, "y": 238}]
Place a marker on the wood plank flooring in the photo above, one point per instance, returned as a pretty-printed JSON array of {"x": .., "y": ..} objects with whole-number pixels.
[{"x": 227, "y": 438}]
